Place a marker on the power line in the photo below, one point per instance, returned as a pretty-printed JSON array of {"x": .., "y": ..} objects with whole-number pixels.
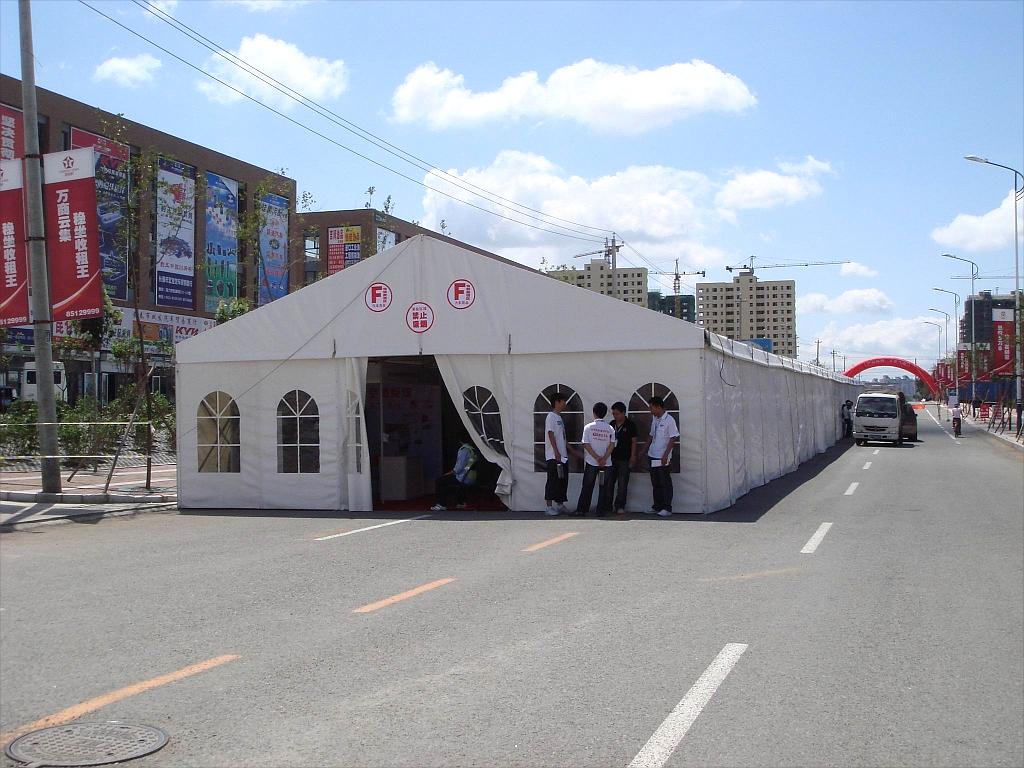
[{"x": 334, "y": 141}]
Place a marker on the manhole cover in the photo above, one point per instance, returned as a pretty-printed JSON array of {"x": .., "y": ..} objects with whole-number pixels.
[{"x": 81, "y": 744}]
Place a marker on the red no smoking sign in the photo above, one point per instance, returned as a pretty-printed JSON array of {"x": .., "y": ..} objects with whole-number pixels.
[
  {"x": 461, "y": 294},
  {"x": 419, "y": 317},
  {"x": 378, "y": 297}
]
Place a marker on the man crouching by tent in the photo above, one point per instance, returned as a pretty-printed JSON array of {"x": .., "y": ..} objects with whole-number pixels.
[{"x": 455, "y": 482}]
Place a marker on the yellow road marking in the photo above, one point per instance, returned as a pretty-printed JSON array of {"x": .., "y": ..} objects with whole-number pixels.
[
  {"x": 402, "y": 596},
  {"x": 91, "y": 705},
  {"x": 549, "y": 542},
  {"x": 756, "y": 575}
]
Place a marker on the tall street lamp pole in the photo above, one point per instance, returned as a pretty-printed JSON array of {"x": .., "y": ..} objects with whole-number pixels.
[
  {"x": 974, "y": 312},
  {"x": 956, "y": 314},
  {"x": 946, "y": 314},
  {"x": 938, "y": 397},
  {"x": 1018, "y": 193}
]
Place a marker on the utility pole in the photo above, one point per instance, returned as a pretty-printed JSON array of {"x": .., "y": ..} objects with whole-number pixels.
[
  {"x": 676, "y": 285},
  {"x": 41, "y": 320},
  {"x": 612, "y": 251},
  {"x": 817, "y": 352},
  {"x": 833, "y": 361}
]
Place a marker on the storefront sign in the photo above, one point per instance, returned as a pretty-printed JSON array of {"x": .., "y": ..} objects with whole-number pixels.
[
  {"x": 72, "y": 247},
  {"x": 112, "y": 180},
  {"x": 335, "y": 249},
  {"x": 353, "y": 245},
  {"x": 161, "y": 327},
  {"x": 175, "y": 234},
  {"x": 221, "y": 268},
  {"x": 12, "y": 136},
  {"x": 14, "y": 269},
  {"x": 273, "y": 262},
  {"x": 419, "y": 317}
]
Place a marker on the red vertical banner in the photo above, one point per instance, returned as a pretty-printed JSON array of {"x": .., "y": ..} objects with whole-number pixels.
[
  {"x": 72, "y": 234},
  {"x": 1002, "y": 337},
  {"x": 14, "y": 272},
  {"x": 963, "y": 360},
  {"x": 12, "y": 136},
  {"x": 335, "y": 249}
]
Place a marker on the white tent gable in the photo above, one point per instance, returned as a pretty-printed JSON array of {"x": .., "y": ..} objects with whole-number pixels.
[{"x": 513, "y": 310}]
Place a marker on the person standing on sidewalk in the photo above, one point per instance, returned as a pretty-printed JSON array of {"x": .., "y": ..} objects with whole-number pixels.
[
  {"x": 847, "y": 418},
  {"x": 556, "y": 458},
  {"x": 663, "y": 438},
  {"x": 623, "y": 455},
  {"x": 598, "y": 442}
]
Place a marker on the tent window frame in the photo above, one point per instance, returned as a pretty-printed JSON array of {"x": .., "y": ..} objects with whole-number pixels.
[
  {"x": 484, "y": 414},
  {"x": 218, "y": 434},
  {"x": 573, "y": 418},
  {"x": 638, "y": 410},
  {"x": 298, "y": 434}
]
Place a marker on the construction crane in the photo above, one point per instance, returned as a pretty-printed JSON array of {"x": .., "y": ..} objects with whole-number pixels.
[
  {"x": 677, "y": 284},
  {"x": 750, "y": 266},
  {"x": 610, "y": 251}
]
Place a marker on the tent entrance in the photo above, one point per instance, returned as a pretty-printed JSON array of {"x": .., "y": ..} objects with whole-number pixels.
[{"x": 413, "y": 432}]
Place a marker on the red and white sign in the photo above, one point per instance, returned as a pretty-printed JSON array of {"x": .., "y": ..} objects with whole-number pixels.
[
  {"x": 461, "y": 294},
  {"x": 12, "y": 137},
  {"x": 72, "y": 234},
  {"x": 378, "y": 297},
  {"x": 419, "y": 317},
  {"x": 14, "y": 272},
  {"x": 963, "y": 360},
  {"x": 335, "y": 249},
  {"x": 1002, "y": 337}
]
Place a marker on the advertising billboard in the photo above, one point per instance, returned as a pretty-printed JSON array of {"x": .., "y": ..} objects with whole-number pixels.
[
  {"x": 160, "y": 327},
  {"x": 72, "y": 234},
  {"x": 353, "y": 242},
  {"x": 12, "y": 133},
  {"x": 221, "y": 240},
  {"x": 14, "y": 274},
  {"x": 112, "y": 179},
  {"x": 273, "y": 256},
  {"x": 335, "y": 249},
  {"x": 175, "y": 234}
]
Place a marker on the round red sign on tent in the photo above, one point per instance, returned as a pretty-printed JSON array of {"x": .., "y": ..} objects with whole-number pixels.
[
  {"x": 419, "y": 317},
  {"x": 378, "y": 297},
  {"x": 461, "y": 293}
]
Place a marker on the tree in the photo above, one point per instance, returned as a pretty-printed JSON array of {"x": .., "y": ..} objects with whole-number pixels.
[{"x": 229, "y": 310}]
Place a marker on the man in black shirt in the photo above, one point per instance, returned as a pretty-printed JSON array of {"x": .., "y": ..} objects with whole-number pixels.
[{"x": 623, "y": 456}]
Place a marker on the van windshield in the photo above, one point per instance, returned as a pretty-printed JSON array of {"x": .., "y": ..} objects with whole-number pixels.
[{"x": 877, "y": 407}]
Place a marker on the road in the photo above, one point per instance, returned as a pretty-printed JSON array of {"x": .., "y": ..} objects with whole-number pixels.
[{"x": 895, "y": 636}]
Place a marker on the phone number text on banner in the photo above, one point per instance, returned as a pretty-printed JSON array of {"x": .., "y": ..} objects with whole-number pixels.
[{"x": 175, "y": 234}]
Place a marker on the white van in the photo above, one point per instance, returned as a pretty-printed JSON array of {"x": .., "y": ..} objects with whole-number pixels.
[
  {"x": 60, "y": 382},
  {"x": 876, "y": 416}
]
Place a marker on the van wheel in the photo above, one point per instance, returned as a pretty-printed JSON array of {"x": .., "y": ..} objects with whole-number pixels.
[
  {"x": 899, "y": 442},
  {"x": 860, "y": 442}
]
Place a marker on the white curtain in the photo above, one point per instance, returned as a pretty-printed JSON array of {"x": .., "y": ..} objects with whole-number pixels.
[
  {"x": 460, "y": 372},
  {"x": 355, "y": 491}
]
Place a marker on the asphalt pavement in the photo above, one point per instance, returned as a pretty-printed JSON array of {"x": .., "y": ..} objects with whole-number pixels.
[{"x": 896, "y": 637}]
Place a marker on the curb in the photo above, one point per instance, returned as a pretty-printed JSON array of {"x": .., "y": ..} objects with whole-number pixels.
[
  {"x": 88, "y": 498},
  {"x": 99, "y": 514}
]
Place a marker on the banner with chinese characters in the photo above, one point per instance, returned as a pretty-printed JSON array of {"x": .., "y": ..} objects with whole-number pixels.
[
  {"x": 72, "y": 236},
  {"x": 1002, "y": 337},
  {"x": 175, "y": 234},
  {"x": 112, "y": 172},
  {"x": 273, "y": 256},
  {"x": 14, "y": 274},
  {"x": 335, "y": 249},
  {"x": 12, "y": 133},
  {"x": 353, "y": 242},
  {"x": 160, "y": 329},
  {"x": 963, "y": 360},
  {"x": 221, "y": 240}
]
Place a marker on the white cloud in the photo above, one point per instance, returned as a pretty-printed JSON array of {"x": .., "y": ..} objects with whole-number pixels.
[
  {"x": 605, "y": 97},
  {"x": 856, "y": 269},
  {"x": 767, "y": 189},
  {"x": 857, "y": 301},
  {"x": 167, "y": 6},
  {"x": 130, "y": 73},
  {"x": 903, "y": 337},
  {"x": 985, "y": 232},
  {"x": 262, "y": 6},
  {"x": 312, "y": 76}
]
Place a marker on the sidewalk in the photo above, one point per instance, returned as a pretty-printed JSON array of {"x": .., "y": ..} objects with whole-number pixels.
[
  {"x": 17, "y": 515},
  {"x": 976, "y": 426},
  {"x": 127, "y": 486}
]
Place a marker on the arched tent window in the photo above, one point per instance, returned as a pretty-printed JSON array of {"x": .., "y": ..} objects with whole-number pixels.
[
  {"x": 217, "y": 434},
  {"x": 573, "y": 419},
  {"x": 298, "y": 434},
  {"x": 484, "y": 415},
  {"x": 353, "y": 433},
  {"x": 640, "y": 413}
]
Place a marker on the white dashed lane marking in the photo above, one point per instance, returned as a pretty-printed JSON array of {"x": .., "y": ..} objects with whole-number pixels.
[
  {"x": 849, "y": 491},
  {"x": 815, "y": 540},
  {"x": 867, "y": 465}
]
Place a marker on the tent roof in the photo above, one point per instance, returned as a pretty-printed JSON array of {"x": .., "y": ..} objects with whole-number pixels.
[{"x": 515, "y": 310}]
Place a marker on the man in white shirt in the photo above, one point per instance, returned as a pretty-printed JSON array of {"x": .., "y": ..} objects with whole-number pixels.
[
  {"x": 598, "y": 442},
  {"x": 556, "y": 458},
  {"x": 664, "y": 435}
]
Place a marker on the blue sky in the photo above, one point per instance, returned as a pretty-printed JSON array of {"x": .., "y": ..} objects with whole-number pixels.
[{"x": 700, "y": 131}]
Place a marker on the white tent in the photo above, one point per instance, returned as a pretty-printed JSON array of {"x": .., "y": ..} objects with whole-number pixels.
[{"x": 746, "y": 416}]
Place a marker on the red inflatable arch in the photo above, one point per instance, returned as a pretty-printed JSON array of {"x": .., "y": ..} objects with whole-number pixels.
[{"x": 895, "y": 362}]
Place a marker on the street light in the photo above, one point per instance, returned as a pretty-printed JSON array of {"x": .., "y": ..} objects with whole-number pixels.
[
  {"x": 974, "y": 311},
  {"x": 1018, "y": 193},
  {"x": 932, "y": 309},
  {"x": 938, "y": 397}
]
